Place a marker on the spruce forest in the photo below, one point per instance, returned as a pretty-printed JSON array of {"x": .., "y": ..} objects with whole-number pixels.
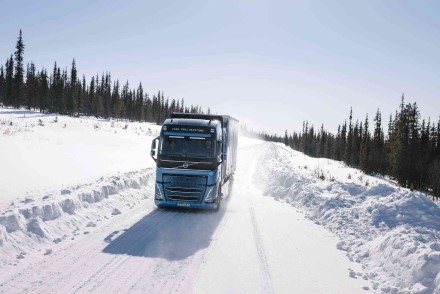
[
  {"x": 408, "y": 153},
  {"x": 63, "y": 91}
]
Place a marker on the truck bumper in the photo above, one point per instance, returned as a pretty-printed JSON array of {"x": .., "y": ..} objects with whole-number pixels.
[{"x": 173, "y": 204}]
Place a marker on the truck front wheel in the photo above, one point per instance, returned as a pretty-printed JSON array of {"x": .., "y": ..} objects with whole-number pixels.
[{"x": 219, "y": 199}]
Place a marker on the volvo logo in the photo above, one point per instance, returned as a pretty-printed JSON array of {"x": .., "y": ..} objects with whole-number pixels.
[{"x": 187, "y": 164}]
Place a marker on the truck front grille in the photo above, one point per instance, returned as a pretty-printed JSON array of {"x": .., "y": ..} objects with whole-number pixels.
[
  {"x": 184, "y": 194},
  {"x": 184, "y": 188}
]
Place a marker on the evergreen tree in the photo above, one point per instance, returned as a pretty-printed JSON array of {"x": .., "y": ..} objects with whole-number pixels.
[
  {"x": 321, "y": 141},
  {"x": 125, "y": 99},
  {"x": 140, "y": 103},
  {"x": 148, "y": 108},
  {"x": 343, "y": 142},
  {"x": 364, "y": 152},
  {"x": 18, "y": 73},
  {"x": 116, "y": 101},
  {"x": 43, "y": 91},
  {"x": 82, "y": 95},
  {"x": 9, "y": 81},
  {"x": 414, "y": 171},
  {"x": 337, "y": 145},
  {"x": 31, "y": 86},
  {"x": 348, "y": 147},
  {"x": 92, "y": 104},
  {"x": 356, "y": 144},
  {"x": 378, "y": 163},
  {"x": 2, "y": 86},
  {"x": 106, "y": 94},
  {"x": 71, "y": 103}
]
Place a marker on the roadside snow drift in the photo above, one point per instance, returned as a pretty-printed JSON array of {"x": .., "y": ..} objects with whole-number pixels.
[
  {"x": 59, "y": 174},
  {"x": 393, "y": 232},
  {"x": 26, "y": 224}
]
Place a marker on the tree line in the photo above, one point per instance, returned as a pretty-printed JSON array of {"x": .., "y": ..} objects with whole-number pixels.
[
  {"x": 63, "y": 91},
  {"x": 409, "y": 152}
]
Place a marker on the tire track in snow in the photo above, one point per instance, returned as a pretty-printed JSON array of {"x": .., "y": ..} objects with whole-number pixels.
[{"x": 264, "y": 265}]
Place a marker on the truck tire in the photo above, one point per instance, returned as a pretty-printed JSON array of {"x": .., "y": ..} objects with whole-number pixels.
[{"x": 219, "y": 199}]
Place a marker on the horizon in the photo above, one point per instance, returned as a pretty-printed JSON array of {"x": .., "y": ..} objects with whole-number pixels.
[{"x": 271, "y": 66}]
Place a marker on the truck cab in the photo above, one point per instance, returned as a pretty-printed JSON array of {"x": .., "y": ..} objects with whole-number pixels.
[{"x": 192, "y": 154}]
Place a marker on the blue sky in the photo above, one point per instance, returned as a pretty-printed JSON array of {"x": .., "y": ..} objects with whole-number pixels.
[{"x": 272, "y": 64}]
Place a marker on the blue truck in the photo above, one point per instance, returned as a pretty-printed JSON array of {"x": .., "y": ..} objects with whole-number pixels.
[{"x": 195, "y": 157}]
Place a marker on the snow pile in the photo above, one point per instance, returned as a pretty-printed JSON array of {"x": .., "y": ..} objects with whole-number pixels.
[
  {"x": 50, "y": 218},
  {"x": 98, "y": 169},
  {"x": 394, "y": 233}
]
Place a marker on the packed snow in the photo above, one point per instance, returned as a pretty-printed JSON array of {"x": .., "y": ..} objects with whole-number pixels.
[{"x": 79, "y": 192}]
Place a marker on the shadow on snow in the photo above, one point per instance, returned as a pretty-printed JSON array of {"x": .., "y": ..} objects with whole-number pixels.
[{"x": 169, "y": 234}]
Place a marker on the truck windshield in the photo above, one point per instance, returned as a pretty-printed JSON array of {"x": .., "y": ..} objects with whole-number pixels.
[{"x": 181, "y": 147}]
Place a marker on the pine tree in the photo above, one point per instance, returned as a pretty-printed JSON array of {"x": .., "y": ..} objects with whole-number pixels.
[
  {"x": 2, "y": 86},
  {"x": 437, "y": 140},
  {"x": 116, "y": 101},
  {"x": 31, "y": 86},
  {"x": 148, "y": 108},
  {"x": 348, "y": 147},
  {"x": 140, "y": 103},
  {"x": 321, "y": 142},
  {"x": 82, "y": 95},
  {"x": 107, "y": 95},
  {"x": 43, "y": 91},
  {"x": 63, "y": 89},
  {"x": 71, "y": 99},
  {"x": 337, "y": 145},
  {"x": 356, "y": 144},
  {"x": 9, "y": 81},
  {"x": 92, "y": 90},
  {"x": 19, "y": 73},
  {"x": 125, "y": 99},
  {"x": 378, "y": 163},
  {"x": 364, "y": 153},
  {"x": 414, "y": 169},
  {"x": 343, "y": 141}
]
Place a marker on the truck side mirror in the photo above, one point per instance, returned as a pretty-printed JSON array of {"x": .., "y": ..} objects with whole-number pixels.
[{"x": 153, "y": 148}]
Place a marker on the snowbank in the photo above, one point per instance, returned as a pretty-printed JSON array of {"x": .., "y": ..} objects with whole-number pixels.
[
  {"x": 26, "y": 224},
  {"x": 394, "y": 233},
  {"x": 60, "y": 175}
]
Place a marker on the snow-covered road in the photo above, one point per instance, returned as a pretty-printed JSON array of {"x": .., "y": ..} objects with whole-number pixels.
[{"x": 254, "y": 244}]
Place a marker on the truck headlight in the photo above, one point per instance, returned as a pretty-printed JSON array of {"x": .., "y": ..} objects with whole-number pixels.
[
  {"x": 212, "y": 194},
  {"x": 158, "y": 193}
]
